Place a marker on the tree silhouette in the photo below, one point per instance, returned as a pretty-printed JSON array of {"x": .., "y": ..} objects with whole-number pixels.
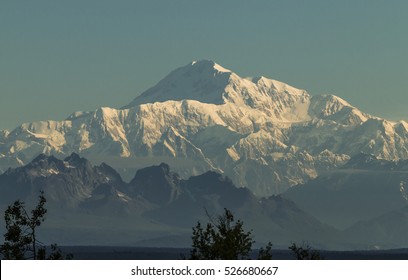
[
  {"x": 20, "y": 239},
  {"x": 223, "y": 239},
  {"x": 305, "y": 252},
  {"x": 265, "y": 253}
]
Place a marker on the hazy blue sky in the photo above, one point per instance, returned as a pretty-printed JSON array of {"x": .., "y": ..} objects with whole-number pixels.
[{"x": 57, "y": 57}]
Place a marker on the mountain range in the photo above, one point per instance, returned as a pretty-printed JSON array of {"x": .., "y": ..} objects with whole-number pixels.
[
  {"x": 293, "y": 166},
  {"x": 263, "y": 134},
  {"x": 92, "y": 205},
  {"x": 363, "y": 205}
]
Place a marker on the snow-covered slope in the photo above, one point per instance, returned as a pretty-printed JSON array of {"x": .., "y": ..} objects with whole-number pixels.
[
  {"x": 262, "y": 133},
  {"x": 207, "y": 82},
  {"x": 331, "y": 107}
]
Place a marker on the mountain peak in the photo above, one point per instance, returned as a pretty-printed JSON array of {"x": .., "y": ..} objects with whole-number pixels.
[
  {"x": 202, "y": 80},
  {"x": 4, "y": 134},
  {"x": 208, "y": 82},
  {"x": 205, "y": 64},
  {"x": 156, "y": 183},
  {"x": 44, "y": 158},
  {"x": 40, "y": 157},
  {"x": 76, "y": 160}
]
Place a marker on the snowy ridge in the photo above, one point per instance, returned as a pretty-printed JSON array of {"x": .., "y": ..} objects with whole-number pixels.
[
  {"x": 262, "y": 133},
  {"x": 331, "y": 107},
  {"x": 207, "y": 82},
  {"x": 3, "y": 134}
]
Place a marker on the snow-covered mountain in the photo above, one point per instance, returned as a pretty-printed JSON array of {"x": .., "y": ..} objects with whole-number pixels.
[{"x": 262, "y": 133}]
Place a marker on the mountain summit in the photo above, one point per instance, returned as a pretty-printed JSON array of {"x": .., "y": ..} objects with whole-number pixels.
[
  {"x": 208, "y": 82},
  {"x": 202, "y": 80},
  {"x": 264, "y": 134}
]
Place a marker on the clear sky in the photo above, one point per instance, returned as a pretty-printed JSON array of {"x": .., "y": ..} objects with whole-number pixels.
[{"x": 57, "y": 57}]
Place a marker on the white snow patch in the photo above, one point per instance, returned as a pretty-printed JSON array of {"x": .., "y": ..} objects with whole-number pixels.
[
  {"x": 67, "y": 165},
  {"x": 403, "y": 190},
  {"x": 123, "y": 197}
]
